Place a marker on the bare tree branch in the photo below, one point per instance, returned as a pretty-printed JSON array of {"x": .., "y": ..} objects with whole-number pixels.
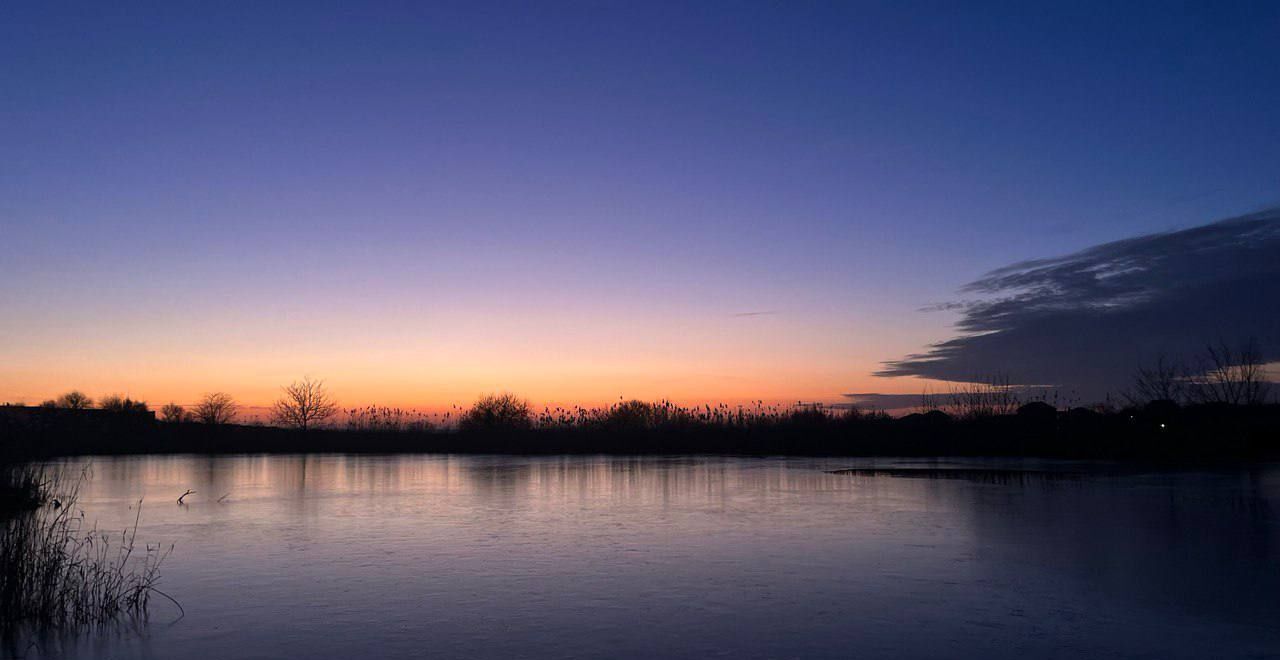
[
  {"x": 216, "y": 408},
  {"x": 1235, "y": 376},
  {"x": 305, "y": 403},
  {"x": 1165, "y": 380}
]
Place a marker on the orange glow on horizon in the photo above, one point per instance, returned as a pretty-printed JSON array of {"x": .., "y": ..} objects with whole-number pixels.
[
  {"x": 417, "y": 360},
  {"x": 585, "y": 387}
]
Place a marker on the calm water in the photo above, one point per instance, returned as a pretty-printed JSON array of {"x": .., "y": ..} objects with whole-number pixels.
[{"x": 506, "y": 557}]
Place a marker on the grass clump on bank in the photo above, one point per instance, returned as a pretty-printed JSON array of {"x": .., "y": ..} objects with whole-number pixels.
[
  {"x": 21, "y": 488},
  {"x": 59, "y": 571}
]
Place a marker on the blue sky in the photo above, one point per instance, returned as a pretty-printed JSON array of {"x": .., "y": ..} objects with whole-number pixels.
[{"x": 275, "y": 184}]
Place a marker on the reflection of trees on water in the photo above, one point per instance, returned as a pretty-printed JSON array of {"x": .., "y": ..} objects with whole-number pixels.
[
  {"x": 515, "y": 480},
  {"x": 647, "y": 481},
  {"x": 1154, "y": 539},
  {"x": 499, "y": 481}
]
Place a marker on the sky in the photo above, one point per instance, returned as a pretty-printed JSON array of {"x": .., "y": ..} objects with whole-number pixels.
[{"x": 422, "y": 202}]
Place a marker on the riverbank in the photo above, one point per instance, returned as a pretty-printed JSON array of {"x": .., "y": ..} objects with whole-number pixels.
[{"x": 1158, "y": 431}]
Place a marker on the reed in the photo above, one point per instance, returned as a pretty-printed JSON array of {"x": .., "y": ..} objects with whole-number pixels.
[
  {"x": 386, "y": 419},
  {"x": 58, "y": 571}
]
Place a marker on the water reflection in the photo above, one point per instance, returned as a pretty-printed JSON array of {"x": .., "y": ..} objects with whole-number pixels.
[
  {"x": 1201, "y": 543},
  {"x": 343, "y": 556}
]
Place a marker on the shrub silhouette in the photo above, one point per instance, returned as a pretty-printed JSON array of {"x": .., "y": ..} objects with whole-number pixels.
[
  {"x": 117, "y": 403},
  {"x": 75, "y": 400},
  {"x": 494, "y": 412},
  {"x": 633, "y": 415}
]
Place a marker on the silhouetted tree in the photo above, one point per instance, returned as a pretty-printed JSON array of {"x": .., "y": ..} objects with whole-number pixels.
[
  {"x": 216, "y": 408},
  {"x": 1165, "y": 380},
  {"x": 75, "y": 400},
  {"x": 304, "y": 403},
  {"x": 497, "y": 412},
  {"x": 172, "y": 412},
  {"x": 1229, "y": 375},
  {"x": 117, "y": 403}
]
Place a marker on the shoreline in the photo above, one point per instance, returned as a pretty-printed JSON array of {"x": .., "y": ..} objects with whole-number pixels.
[{"x": 1156, "y": 433}]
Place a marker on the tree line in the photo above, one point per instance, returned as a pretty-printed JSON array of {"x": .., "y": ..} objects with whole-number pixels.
[
  {"x": 304, "y": 404},
  {"x": 1221, "y": 374}
]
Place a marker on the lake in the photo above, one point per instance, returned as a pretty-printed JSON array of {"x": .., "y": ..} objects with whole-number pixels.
[{"x": 336, "y": 556}]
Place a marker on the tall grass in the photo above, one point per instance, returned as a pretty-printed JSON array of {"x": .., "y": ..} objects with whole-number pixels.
[
  {"x": 22, "y": 488},
  {"x": 637, "y": 415},
  {"x": 59, "y": 571},
  {"x": 388, "y": 419},
  {"x": 990, "y": 398}
]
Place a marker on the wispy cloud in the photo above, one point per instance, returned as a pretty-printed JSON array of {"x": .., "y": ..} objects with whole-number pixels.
[
  {"x": 1087, "y": 319},
  {"x": 949, "y": 306},
  {"x": 767, "y": 312},
  {"x": 880, "y": 401}
]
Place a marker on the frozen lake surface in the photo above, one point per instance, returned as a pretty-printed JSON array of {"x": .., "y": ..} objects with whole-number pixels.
[{"x": 336, "y": 556}]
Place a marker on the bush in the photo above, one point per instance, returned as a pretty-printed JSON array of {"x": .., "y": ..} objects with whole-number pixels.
[
  {"x": 632, "y": 416},
  {"x": 494, "y": 412},
  {"x": 117, "y": 403}
]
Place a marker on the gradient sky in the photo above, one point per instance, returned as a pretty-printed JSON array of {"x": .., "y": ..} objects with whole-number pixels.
[{"x": 420, "y": 202}]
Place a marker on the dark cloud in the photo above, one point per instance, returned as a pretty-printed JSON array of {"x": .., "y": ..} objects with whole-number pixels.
[
  {"x": 1087, "y": 319},
  {"x": 767, "y": 312}
]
